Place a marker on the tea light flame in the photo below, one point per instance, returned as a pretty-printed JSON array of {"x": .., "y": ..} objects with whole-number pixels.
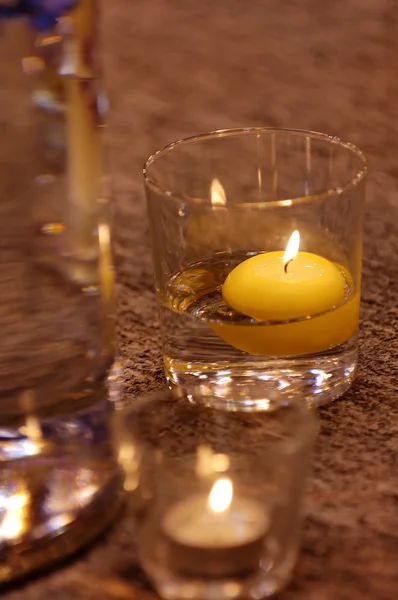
[
  {"x": 209, "y": 462},
  {"x": 13, "y": 523},
  {"x": 292, "y": 248},
  {"x": 217, "y": 193},
  {"x": 220, "y": 496}
]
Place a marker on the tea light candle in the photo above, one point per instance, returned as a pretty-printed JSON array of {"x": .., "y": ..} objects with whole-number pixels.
[{"x": 219, "y": 535}]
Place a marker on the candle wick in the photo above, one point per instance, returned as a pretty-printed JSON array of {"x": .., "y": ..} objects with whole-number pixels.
[{"x": 286, "y": 265}]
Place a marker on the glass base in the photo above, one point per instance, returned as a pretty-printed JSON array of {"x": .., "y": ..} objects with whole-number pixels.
[
  {"x": 59, "y": 488},
  {"x": 318, "y": 379},
  {"x": 261, "y": 584}
]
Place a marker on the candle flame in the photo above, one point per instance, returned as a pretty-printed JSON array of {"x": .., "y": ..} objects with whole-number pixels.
[
  {"x": 217, "y": 193},
  {"x": 209, "y": 462},
  {"x": 14, "y": 520},
  {"x": 292, "y": 247},
  {"x": 220, "y": 497}
]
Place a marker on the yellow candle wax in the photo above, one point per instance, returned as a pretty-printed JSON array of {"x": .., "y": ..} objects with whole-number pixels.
[
  {"x": 260, "y": 288},
  {"x": 278, "y": 286},
  {"x": 298, "y": 338}
]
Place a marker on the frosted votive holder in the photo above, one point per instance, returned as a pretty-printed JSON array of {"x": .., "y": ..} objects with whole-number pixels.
[{"x": 220, "y": 494}]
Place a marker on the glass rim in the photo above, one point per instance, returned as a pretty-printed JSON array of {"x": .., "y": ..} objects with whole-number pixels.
[
  {"x": 300, "y": 436},
  {"x": 224, "y": 133}
]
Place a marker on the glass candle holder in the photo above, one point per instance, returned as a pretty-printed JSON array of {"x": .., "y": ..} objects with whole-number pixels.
[
  {"x": 257, "y": 245},
  {"x": 220, "y": 516},
  {"x": 59, "y": 480}
]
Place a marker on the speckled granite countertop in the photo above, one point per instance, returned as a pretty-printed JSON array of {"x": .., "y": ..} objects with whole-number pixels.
[{"x": 178, "y": 68}]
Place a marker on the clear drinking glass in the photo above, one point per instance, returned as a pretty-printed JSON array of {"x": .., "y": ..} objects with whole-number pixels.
[
  {"x": 58, "y": 476},
  {"x": 219, "y": 493},
  {"x": 218, "y": 199}
]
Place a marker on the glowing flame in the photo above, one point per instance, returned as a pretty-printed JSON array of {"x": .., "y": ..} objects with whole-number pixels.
[
  {"x": 217, "y": 194},
  {"x": 220, "y": 496},
  {"x": 14, "y": 521},
  {"x": 292, "y": 248},
  {"x": 209, "y": 462}
]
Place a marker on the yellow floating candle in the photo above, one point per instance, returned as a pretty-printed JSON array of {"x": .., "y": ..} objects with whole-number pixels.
[{"x": 278, "y": 286}]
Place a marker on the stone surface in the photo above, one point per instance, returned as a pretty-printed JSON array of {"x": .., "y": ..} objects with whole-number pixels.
[{"x": 179, "y": 68}]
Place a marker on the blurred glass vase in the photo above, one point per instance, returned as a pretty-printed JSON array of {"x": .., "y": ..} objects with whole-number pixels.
[{"x": 57, "y": 471}]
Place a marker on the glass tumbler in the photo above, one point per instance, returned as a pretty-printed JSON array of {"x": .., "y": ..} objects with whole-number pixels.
[
  {"x": 219, "y": 493},
  {"x": 257, "y": 248},
  {"x": 58, "y": 476}
]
